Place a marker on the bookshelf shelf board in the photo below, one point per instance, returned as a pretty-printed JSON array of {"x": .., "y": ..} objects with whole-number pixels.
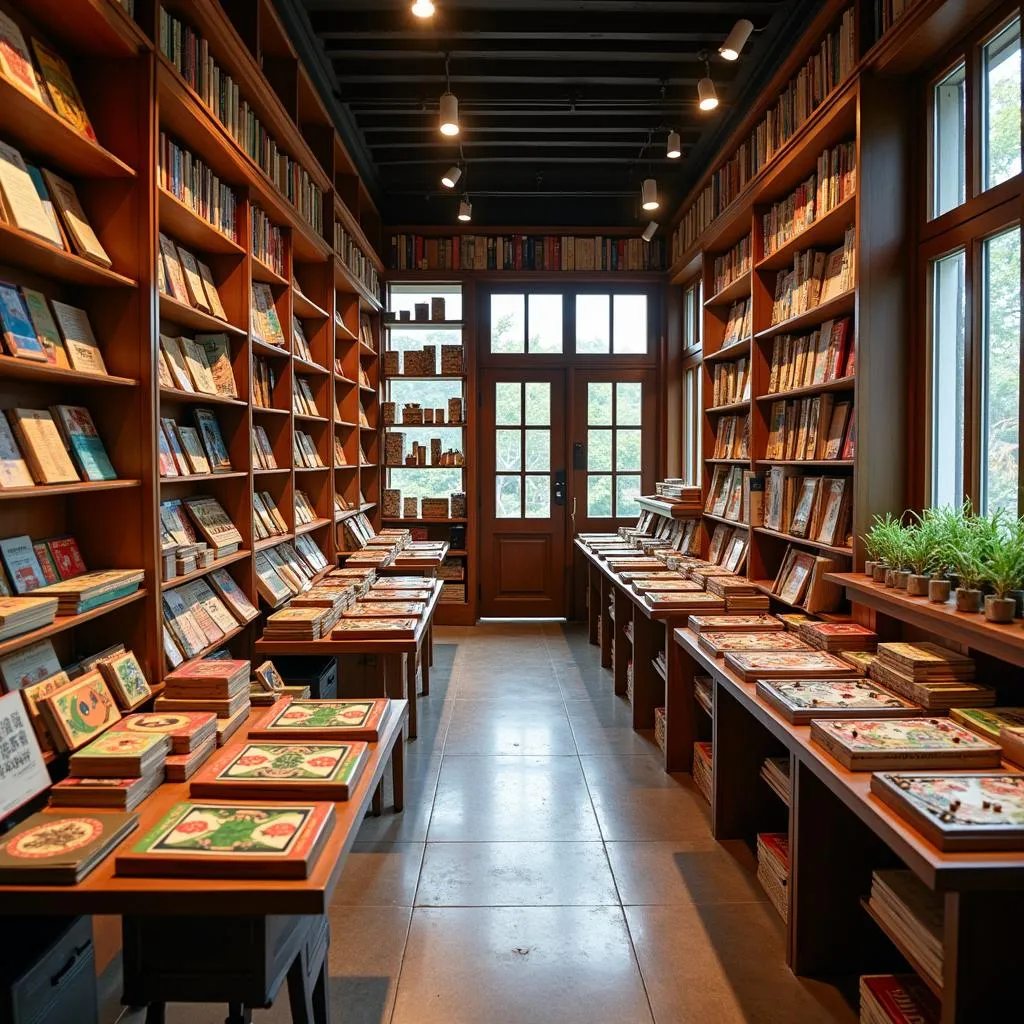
[
  {"x": 264, "y": 348},
  {"x": 904, "y": 949},
  {"x": 346, "y": 382},
  {"x": 218, "y": 563},
  {"x": 347, "y": 282},
  {"x": 266, "y": 410},
  {"x": 668, "y": 509},
  {"x": 428, "y": 376},
  {"x": 109, "y": 28},
  {"x": 765, "y": 586},
  {"x": 52, "y": 140},
  {"x": 736, "y": 350},
  {"x": 199, "y": 398},
  {"x": 210, "y": 648},
  {"x": 422, "y": 519},
  {"x": 31, "y": 253},
  {"x": 369, "y": 388},
  {"x": 717, "y": 410},
  {"x": 728, "y": 462},
  {"x": 345, "y": 469},
  {"x": 340, "y": 517},
  {"x": 368, "y": 465},
  {"x": 830, "y": 548},
  {"x": 810, "y": 463},
  {"x": 367, "y": 505},
  {"x": 311, "y": 469},
  {"x": 458, "y": 553},
  {"x": 267, "y": 274},
  {"x": 839, "y": 384},
  {"x": 305, "y": 366},
  {"x": 366, "y": 427},
  {"x": 841, "y": 305},
  {"x": 310, "y": 527},
  {"x": 658, "y": 670},
  {"x": 366, "y": 351},
  {"x": 827, "y": 229},
  {"x": 728, "y": 522},
  {"x": 306, "y": 308},
  {"x": 11, "y": 367},
  {"x": 270, "y": 472},
  {"x": 66, "y": 622},
  {"x": 272, "y": 542},
  {"x": 342, "y": 333},
  {"x": 188, "y": 228},
  {"x": 201, "y": 478},
  {"x": 733, "y": 292},
  {"x": 424, "y": 325},
  {"x": 186, "y": 316},
  {"x": 460, "y": 468},
  {"x": 347, "y": 424},
  {"x": 306, "y": 418},
  {"x": 55, "y": 490}
]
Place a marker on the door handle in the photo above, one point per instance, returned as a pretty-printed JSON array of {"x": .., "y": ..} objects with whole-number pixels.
[
  {"x": 560, "y": 487},
  {"x": 572, "y": 514}
]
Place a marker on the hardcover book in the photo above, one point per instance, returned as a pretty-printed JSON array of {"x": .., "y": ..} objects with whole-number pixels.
[
  {"x": 720, "y": 644},
  {"x": 119, "y": 794},
  {"x": 224, "y": 841},
  {"x": 20, "y": 200},
  {"x": 60, "y": 849},
  {"x": 79, "y": 712},
  {"x": 60, "y": 87},
  {"x": 324, "y": 720},
  {"x": 185, "y": 729},
  {"x": 30, "y": 665},
  {"x": 65, "y": 198},
  {"x": 213, "y": 441},
  {"x": 120, "y": 755},
  {"x": 293, "y": 771},
  {"x": 18, "y": 333},
  {"x": 988, "y": 722},
  {"x": 192, "y": 445},
  {"x": 14, "y": 471},
  {"x": 735, "y": 623},
  {"x": 83, "y": 351},
  {"x": 233, "y": 596},
  {"x": 963, "y": 811},
  {"x": 212, "y": 295},
  {"x": 67, "y": 557},
  {"x": 41, "y": 444},
  {"x": 83, "y": 441},
  {"x": 15, "y": 61},
  {"x": 384, "y": 610},
  {"x": 801, "y": 700},
  {"x": 23, "y": 773},
  {"x": 193, "y": 282},
  {"x": 375, "y": 629},
  {"x": 791, "y": 664},
  {"x": 866, "y": 744},
  {"x": 124, "y": 675},
  {"x": 23, "y": 568},
  {"x": 897, "y": 999}
]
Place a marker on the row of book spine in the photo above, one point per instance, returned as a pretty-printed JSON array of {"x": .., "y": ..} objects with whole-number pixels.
[
  {"x": 192, "y": 182},
  {"x": 732, "y": 265},
  {"x": 356, "y": 260},
  {"x": 267, "y": 241}
]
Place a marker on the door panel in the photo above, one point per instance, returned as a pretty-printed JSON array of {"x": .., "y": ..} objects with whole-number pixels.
[{"x": 523, "y": 512}]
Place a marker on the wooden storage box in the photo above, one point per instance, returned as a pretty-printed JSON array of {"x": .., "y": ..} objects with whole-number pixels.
[
  {"x": 434, "y": 508},
  {"x": 452, "y": 361}
]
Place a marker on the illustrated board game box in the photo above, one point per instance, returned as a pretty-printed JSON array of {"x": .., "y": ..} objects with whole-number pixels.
[
  {"x": 324, "y": 721},
  {"x": 801, "y": 700}
]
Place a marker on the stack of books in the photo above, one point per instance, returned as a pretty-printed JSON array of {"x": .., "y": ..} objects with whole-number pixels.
[
  {"x": 702, "y": 778},
  {"x": 22, "y": 614},
  {"x": 897, "y": 999},
  {"x": 810, "y": 429},
  {"x": 220, "y": 687},
  {"x": 803, "y": 361},
  {"x": 118, "y": 769},
  {"x": 93, "y": 589},
  {"x": 838, "y": 636},
  {"x": 738, "y": 323},
  {"x": 703, "y": 691},
  {"x": 299, "y": 623},
  {"x": 913, "y": 915},
  {"x": 773, "y": 869},
  {"x": 930, "y": 675},
  {"x": 775, "y": 772}
]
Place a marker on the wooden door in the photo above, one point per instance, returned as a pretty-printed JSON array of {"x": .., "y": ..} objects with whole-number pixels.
[{"x": 523, "y": 493}]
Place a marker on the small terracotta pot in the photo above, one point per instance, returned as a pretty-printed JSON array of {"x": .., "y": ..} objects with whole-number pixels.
[
  {"x": 999, "y": 609},
  {"x": 902, "y": 578},
  {"x": 968, "y": 600},
  {"x": 938, "y": 591},
  {"x": 869, "y": 568},
  {"x": 917, "y": 586},
  {"x": 879, "y": 572}
]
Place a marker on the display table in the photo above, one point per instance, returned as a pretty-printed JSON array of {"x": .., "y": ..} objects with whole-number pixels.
[{"x": 397, "y": 660}]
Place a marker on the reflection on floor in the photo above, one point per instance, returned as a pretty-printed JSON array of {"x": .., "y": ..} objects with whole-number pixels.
[{"x": 546, "y": 869}]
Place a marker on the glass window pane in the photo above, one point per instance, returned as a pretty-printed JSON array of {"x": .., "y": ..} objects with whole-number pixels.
[
  {"x": 627, "y": 490},
  {"x": 629, "y": 329},
  {"x": 592, "y": 323},
  {"x": 599, "y": 404},
  {"x": 689, "y": 435},
  {"x": 948, "y": 318},
  {"x": 627, "y": 450},
  {"x": 545, "y": 324},
  {"x": 538, "y": 497},
  {"x": 1001, "y": 106},
  {"x": 700, "y": 307},
  {"x": 599, "y": 497},
  {"x": 949, "y": 129},
  {"x": 538, "y": 403},
  {"x": 508, "y": 323},
  {"x": 690, "y": 317},
  {"x": 426, "y": 483},
  {"x": 508, "y": 450},
  {"x": 538, "y": 450},
  {"x": 508, "y": 403},
  {"x": 599, "y": 450},
  {"x": 508, "y": 499},
  {"x": 1000, "y": 295},
  {"x": 628, "y": 398}
]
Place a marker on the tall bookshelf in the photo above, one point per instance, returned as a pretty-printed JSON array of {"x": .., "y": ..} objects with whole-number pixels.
[{"x": 134, "y": 94}]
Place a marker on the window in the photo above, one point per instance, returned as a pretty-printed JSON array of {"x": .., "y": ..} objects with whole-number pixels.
[
  {"x": 1000, "y": 371},
  {"x": 614, "y": 448},
  {"x": 948, "y": 315},
  {"x": 949, "y": 141},
  {"x": 522, "y": 445},
  {"x": 611, "y": 323},
  {"x": 526, "y": 324},
  {"x": 1001, "y": 99}
]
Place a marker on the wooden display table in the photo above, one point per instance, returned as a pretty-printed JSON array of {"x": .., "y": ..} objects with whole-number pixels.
[{"x": 396, "y": 659}]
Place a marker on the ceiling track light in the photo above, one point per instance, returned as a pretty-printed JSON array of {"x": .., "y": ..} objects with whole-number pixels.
[
  {"x": 674, "y": 148},
  {"x": 451, "y": 177},
  {"x": 707, "y": 97},
  {"x": 423, "y": 8},
  {"x": 650, "y": 231},
  {"x": 649, "y": 194},
  {"x": 736, "y": 40},
  {"x": 449, "y": 120},
  {"x": 465, "y": 210}
]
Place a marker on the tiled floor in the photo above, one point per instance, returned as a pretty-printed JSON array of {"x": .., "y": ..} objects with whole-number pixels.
[{"x": 546, "y": 869}]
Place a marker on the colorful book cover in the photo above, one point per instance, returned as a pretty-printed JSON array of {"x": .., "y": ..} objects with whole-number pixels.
[
  {"x": 83, "y": 351},
  {"x": 84, "y": 441},
  {"x": 15, "y": 61},
  {"x": 384, "y": 610},
  {"x": 903, "y": 999},
  {"x": 213, "y": 441},
  {"x": 800, "y": 700},
  {"x": 14, "y": 471},
  {"x": 130, "y": 747},
  {"x": 185, "y": 729},
  {"x": 18, "y": 333},
  {"x": 23, "y": 774},
  {"x": 988, "y": 721},
  {"x": 356, "y": 629},
  {"x": 221, "y": 841},
  {"x": 127, "y": 681},
  {"x": 23, "y": 567},
  {"x": 735, "y": 623},
  {"x": 67, "y": 557},
  {"x": 62, "y": 91},
  {"x": 778, "y": 640},
  {"x": 324, "y": 719},
  {"x": 797, "y": 664},
  {"x": 79, "y": 711},
  {"x": 45, "y": 327}
]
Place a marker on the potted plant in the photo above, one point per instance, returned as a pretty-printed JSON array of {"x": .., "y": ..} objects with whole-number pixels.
[
  {"x": 1003, "y": 569},
  {"x": 947, "y": 523},
  {"x": 920, "y": 543},
  {"x": 880, "y": 541},
  {"x": 969, "y": 556}
]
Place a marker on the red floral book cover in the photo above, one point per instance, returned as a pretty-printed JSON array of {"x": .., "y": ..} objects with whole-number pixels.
[
  {"x": 186, "y": 729},
  {"x": 67, "y": 557}
]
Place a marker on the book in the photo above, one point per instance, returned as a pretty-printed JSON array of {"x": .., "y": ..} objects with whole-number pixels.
[
  {"x": 126, "y": 679},
  {"x": 120, "y": 754},
  {"x": 171, "y": 350},
  {"x": 19, "y": 335},
  {"x": 897, "y": 999},
  {"x": 23, "y": 773},
  {"x": 186, "y": 730},
  {"x": 18, "y": 196},
  {"x": 195, "y": 454},
  {"x": 22, "y": 564},
  {"x": 212, "y": 295},
  {"x": 801, "y": 700},
  {"x": 224, "y": 841},
  {"x": 60, "y": 849},
  {"x": 194, "y": 287},
  {"x": 29, "y": 665},
  {"x": 60, "y": 87},
  {"x": 872, "y": 745},
  {"x": 197, "y": 366},
  {"x": 174, "y": 274},
  {"x": 217, "y": 349},
  {"x": 14, "y": 471},
  {"x": 214, "y": 524},
  {"x": 988, "y": 722},
  {"x": 83, "y": 441},
  {"x": 83, "y": 352},
  {"x": 372, "y": 629},
  {"x": 15, "y": 60},
  {"x": 45, "y": 327},
  {"x": 67, "y": 557},
  {"x": 41, "y": 444},
  {"x": 963, "y": 811},
  {"x": 213, "y": 441},
  {"x": 324, "y": 720},
  {"x": 120, "y": 794},
  {"x": 789, "y": 664},
  {"x": 181, "y": 767},
  {"x": 84, "y": 239},
  {"x": 79, "y": 711}
]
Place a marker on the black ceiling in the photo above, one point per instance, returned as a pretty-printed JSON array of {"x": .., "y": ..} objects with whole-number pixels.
[{"x": 556, "y": 97}]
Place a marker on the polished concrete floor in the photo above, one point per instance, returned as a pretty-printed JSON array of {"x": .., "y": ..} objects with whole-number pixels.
[{"x": 546, "y": 869}]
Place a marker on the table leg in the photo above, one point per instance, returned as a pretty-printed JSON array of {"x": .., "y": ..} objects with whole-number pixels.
[
  {"x": 300, "y": 995},
  {"x": 426, "y": 661},
  {"x": 430, "y": 647},
  {"x": 398, "y": 775},
  {"x": 239, "y": 1013},
  {"x": 410, "y": 686},
  {"x": 593, "y": 603},
  {"x": 604, "y": 596},
  {"x": 377, "y": 803},
  {"x": 395, "y": 685}
]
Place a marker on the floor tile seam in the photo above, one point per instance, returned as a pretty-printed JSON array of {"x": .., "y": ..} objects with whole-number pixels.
[
  {"x": 401, "y": 964},
  {"x": 639, "y": 965},
  {"x": 515, "y": 906}
]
